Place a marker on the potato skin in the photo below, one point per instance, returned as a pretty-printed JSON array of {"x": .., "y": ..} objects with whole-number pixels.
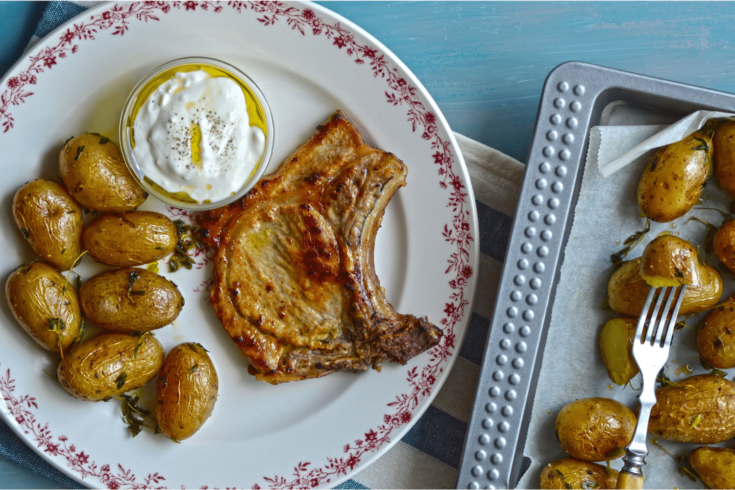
[
  {"x": 577, "y": 474},
  {"x": 616, "y": 346},
  {"x": 105, "y": 301},
  {"x": 97, "y": 176},
  {"x": 627, "y": 291},
  {"x": 34, "y": 294},
  {"x": 724, "y": 157},
  {"x": 129, "y": 239},
  {"x": 91, "y": 370},
  {"x": 672, "y": 182},
  {"x": 716, "y": 336},
  {"x": 715, "y": 466},
  {"x": 186, "y": 391},
  {"x": 724, "y": 244},
  {"x": 669, "y": 260},
  {"x": 710, "y": 398},
  {"x": 50, "y": 220},
  {"x": 595, "y": 429}
]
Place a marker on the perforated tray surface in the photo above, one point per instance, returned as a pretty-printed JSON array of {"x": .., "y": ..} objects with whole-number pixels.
[{"x": 573, "y": 99}]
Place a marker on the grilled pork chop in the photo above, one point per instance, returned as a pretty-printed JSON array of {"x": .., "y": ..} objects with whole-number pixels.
[{"x": 294, "y": 282}]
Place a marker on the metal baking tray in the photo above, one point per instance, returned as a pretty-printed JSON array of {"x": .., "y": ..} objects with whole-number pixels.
[{"x": 574, "y": 97}]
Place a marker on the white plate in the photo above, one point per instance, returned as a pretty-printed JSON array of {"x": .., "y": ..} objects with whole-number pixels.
[{"x": 308, "y": 62}]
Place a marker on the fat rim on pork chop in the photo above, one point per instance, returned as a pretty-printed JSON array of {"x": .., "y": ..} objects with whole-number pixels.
[{"x": 294, "y": 282}]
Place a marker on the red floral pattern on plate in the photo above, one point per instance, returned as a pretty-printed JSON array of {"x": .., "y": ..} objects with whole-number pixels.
[{"x": 457, "y": 233}]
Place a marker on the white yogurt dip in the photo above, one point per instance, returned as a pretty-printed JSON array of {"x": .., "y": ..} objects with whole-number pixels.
[{"x": 193, "y": 135}]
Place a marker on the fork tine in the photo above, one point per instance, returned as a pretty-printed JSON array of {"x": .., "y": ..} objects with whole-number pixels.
[
  {"x": 653, "y": 323},
  {"x": 672, "y": 323},
  {"x": 664, "y": 322},
  {"x": 644, "y": 314}
]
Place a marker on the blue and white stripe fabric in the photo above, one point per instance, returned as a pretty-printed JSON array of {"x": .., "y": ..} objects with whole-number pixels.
[{"x": 429, "y": 455}]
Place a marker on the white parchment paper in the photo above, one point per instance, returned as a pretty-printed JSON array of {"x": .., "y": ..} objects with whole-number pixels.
[
  {"x": 671, "y": 134},
  {"x": 607, "y": 213}
]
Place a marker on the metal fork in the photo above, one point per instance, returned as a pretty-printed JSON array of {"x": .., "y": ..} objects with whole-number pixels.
[{"x": 651, "y": 354}]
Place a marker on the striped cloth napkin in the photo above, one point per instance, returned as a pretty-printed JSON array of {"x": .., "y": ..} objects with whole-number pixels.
[{"x": 429, "y": 454}]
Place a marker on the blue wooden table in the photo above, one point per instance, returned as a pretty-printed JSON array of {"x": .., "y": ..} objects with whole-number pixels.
[{"x": 485, "y": 63}]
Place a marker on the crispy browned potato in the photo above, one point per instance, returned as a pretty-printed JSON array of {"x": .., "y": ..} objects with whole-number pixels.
[
  {"x": 724, "y": 157},
  {"x": 128, "y": 239},
  {"x": 724, "y": 243},
  {"x": 95, "y": 173},
  {"x": 673, "y": 180},
  {"x": 700, "y": 410},
  {"x": 572, "y": 473},
  {"x": 595, "y": 429},
  {"x": 616, "y": 346},
  {"x": 50, "y": 220},
  {"x": 627, "y": 291},
  {"x": 109, "y": 365},
  {"x": 34, "y": 294},
  {"x": 186, "y": 391},
  {"x": 716, "y": 336},
  {"x": 715, "y": 466},
  {"x": 130, "y": 300}
]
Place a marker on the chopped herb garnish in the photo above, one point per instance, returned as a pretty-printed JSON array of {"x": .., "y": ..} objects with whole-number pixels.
[
  {"x": 561, "y": 475},
  {"x": 132, "y": 278},
  {"x": 188, "y": 239},
  {"x": 193, "y": 368},
  {"x": 663, "y": 380},
  {"x": 104, "y": 140},
  {"x": 26, "y": 234},
  {"x": 618, "y": 258},
  {"x": 80, "y": 149},
  {"x": 56, "y": 324},
  {"x": 135, "y": 416},
  {"x": 120, "y": 380}
]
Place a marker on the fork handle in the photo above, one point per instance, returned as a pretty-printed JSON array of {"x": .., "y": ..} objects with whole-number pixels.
[
  {"x": 631, "y": 476},
  {"x": 629, "y": 480}
]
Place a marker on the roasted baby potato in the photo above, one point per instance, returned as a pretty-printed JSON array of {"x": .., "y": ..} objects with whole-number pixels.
[
  {"x": 186, "y": 391},
  {"x": 95, "y": 173},
  {"x": 724, "y": 243},
  {"x": 130, "y": 300},
  {"x": 701, "y": 409},
  {"x": 715, "y": 466},
  {"x": 671, "y": 261},
  {"x": 572, "y": 473},
  {"x": 627, "y": 291},
  {"x": 716, "y": 336},
  {"x": 673, "y": 180},
  {"x": 724, "y": 157},
  {"x": 595, "y": 429},
  {"x": 50, "y": 220},
  {"x": 50, "y": 314},
  {"x": 109, "y": 365},
  {"x": 616, "y": 346},
  {"x": 129, "y": 239}
]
